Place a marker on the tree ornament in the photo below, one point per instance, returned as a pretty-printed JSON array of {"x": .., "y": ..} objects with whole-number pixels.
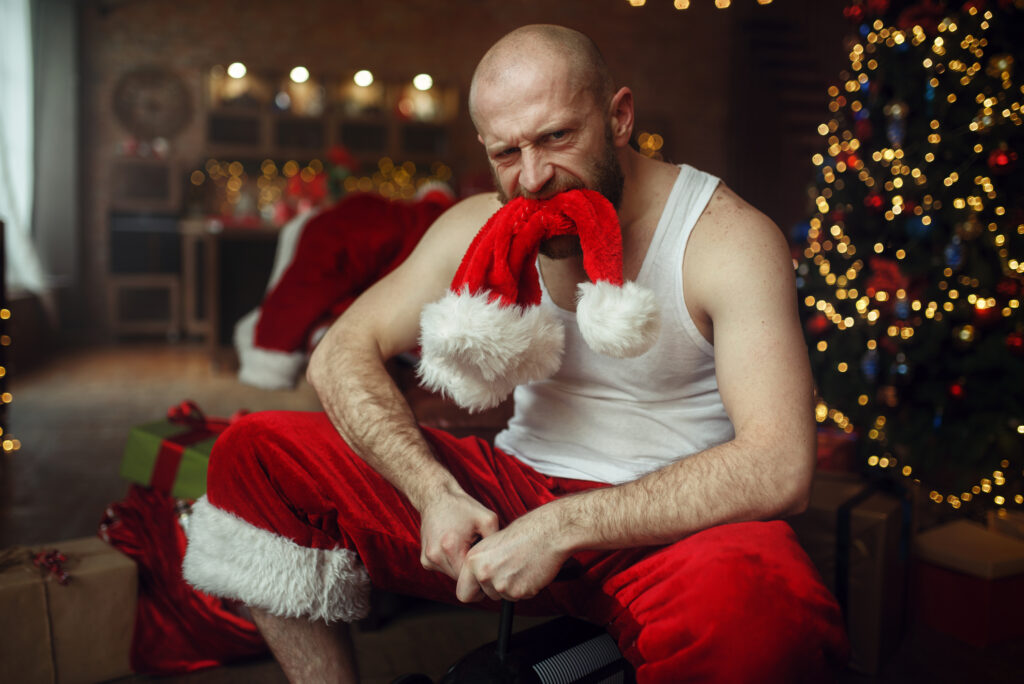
[
  {"x": 902, "y": 308},
  {"x": 927, "y": 14},
  {"x": 895, "y": 122},
  {"x": 969, "y": 228},
  {"x": 1008, "y": 288},
  {"x": 1015, "y": 343},
  {"x": 1000, "y": 66},
  {"x": 1002, "y": 159},
  {"x": 956, "y": 390},
  {"x": 954, "y": 252},
  {"x": 854, "y": 12},
  {"x": 918, "y": 228},
  {"x": 869, "y": 365},
  {"x": 963, "y": 336},
  {"x": 874, "y": 201},
  {"x": 817, "y": 325},
  {"x": 900, "y": 369},
  {"x": 984, "y": 314}
]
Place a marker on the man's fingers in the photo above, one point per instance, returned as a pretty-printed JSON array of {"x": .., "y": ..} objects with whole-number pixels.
[
  {"x": 489, "y": 524},
  {"x": 467, "y": 589}
]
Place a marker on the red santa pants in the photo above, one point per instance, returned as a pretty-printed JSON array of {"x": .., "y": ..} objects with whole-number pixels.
[{"x": 297, "y": 524}]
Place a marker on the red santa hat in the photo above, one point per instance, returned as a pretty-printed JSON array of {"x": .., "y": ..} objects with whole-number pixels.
[{"x": 488, "y": 334}]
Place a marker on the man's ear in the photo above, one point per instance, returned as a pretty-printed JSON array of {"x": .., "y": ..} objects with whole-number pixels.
[{"x": 622, "y": 116}]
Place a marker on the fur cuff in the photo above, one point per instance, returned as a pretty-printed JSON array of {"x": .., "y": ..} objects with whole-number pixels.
[
  {"x": 264, "y": 368},
  {"x": 617, "y": 321},
  {"x": 477, "y": 352},
  {"x": 231, "y": 558}
]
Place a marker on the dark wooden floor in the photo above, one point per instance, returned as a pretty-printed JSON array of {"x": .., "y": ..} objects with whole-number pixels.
[{"x": 73, "y": 413}]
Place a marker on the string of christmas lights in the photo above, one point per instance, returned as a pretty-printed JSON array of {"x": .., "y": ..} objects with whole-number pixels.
[
  {"x": 685, "y": 4},
  {"x": 7, "y": 442},
  {"x": 913, "y": 261}
]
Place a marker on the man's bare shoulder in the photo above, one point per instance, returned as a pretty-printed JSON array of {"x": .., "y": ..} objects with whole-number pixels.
[
  {"x": 734, "y": 244},
  {"x": 731, "y": 227}
]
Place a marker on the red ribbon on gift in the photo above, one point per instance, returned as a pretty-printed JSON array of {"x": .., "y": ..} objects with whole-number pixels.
[
  {"x": 188, "y": 414},
  {"x": 52, "y": 562}
]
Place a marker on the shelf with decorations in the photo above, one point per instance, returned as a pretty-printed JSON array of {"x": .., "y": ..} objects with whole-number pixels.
[{"x": 257, "y": 116}]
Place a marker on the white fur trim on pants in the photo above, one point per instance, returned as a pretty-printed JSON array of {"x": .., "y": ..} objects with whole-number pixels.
[{"x": 231, "y": 558}]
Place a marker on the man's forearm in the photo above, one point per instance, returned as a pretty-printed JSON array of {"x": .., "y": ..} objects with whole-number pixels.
[
  {"x": 727, "y": 483},
  {"x": 373, "y": 417}
]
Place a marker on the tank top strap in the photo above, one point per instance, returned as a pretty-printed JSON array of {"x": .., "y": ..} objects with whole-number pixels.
[{"x": 686, "y": 202}]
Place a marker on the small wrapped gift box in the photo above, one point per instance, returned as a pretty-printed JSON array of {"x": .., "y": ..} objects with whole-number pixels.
[
  {"x": 171, "y": 455},
  {"x": 969, "y": 582},
  {"x": 66, "y": 613},
  {"x": 853, "y": 535}
]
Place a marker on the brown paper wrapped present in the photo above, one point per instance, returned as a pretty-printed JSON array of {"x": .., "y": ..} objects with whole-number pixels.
[
  {"x": 853, "y": 535},
  {"x": 76, "y": 632}
]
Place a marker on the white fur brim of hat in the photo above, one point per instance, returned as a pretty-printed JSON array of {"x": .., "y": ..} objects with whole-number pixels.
[
  {"x": 477, "y": 352},
  {"x": 622, "y": 322}
]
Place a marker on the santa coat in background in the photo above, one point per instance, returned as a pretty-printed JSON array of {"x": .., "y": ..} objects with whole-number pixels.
[{"x": 324, "y": 261}]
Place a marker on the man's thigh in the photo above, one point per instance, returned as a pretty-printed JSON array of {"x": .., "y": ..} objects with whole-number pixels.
[
  {"x": 738, "y": 602},
  {"x": 290, "y": 473}
]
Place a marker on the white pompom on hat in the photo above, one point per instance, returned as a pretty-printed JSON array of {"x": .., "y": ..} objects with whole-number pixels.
[{"x": 489, "y": 334}]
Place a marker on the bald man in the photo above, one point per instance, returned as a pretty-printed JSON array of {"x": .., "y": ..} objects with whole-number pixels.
[{"x": 659, "y": 476}]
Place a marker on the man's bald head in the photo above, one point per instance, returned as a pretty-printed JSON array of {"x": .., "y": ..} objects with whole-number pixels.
[{"x": 552, "y": 49}]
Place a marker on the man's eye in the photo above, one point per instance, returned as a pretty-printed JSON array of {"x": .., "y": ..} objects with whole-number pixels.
[
  {"x": 558, "y": 135},
  {"x": 504, "y": 154}
]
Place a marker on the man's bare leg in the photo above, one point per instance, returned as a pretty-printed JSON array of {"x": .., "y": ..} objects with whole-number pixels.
[{"x": 309, "y": 652}]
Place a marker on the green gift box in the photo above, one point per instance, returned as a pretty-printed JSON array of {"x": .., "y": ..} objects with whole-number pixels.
[{"x": 171, "y": 455}]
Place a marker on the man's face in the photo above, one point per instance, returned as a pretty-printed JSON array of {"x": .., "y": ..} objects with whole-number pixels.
[
  {"x": 604, "y": 176},
  {"x": 544, "y": 136}
]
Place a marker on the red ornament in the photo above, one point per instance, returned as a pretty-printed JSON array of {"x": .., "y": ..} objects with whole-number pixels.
[
  {"x": 1002, "y": 159},
  {"x": 956, "y": 390},
  {"x": 1007, "y": 287},
  {"x": 1015, "y": 343},
  {"x": 885, "y": 275},
  {"x": 874, "y": 201},
  {"x": 854, "y": 13},
  {"x": 862, "y": 128},
  {"x": 927, "y": 15},
  {"x": 985, "y": 316},
  {"x": 817, "y": 325}
]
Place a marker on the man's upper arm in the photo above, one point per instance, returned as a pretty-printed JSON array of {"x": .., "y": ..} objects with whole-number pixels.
[
  {"x": 388, "y": 312},
  {"x": 745, "y": 285}
]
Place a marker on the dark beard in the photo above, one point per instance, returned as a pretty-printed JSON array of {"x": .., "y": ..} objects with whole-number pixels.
[{"x": 605, "y": 174}]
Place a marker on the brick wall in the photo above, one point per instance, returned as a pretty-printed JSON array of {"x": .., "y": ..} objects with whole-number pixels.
[{"x": 679, "y": 65}]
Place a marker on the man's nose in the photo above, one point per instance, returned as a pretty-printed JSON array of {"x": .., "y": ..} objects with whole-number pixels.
[{"x": 535, "y": 171}]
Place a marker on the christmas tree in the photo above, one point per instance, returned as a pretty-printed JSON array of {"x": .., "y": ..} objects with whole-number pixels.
[{"x": 910, "y": 268}]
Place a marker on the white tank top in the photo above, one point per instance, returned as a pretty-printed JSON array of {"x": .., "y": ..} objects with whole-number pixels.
[{"x": 613, "y": 420}]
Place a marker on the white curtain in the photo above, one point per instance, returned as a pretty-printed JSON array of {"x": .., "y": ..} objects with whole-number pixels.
[{"x": 16, "y": 154}]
